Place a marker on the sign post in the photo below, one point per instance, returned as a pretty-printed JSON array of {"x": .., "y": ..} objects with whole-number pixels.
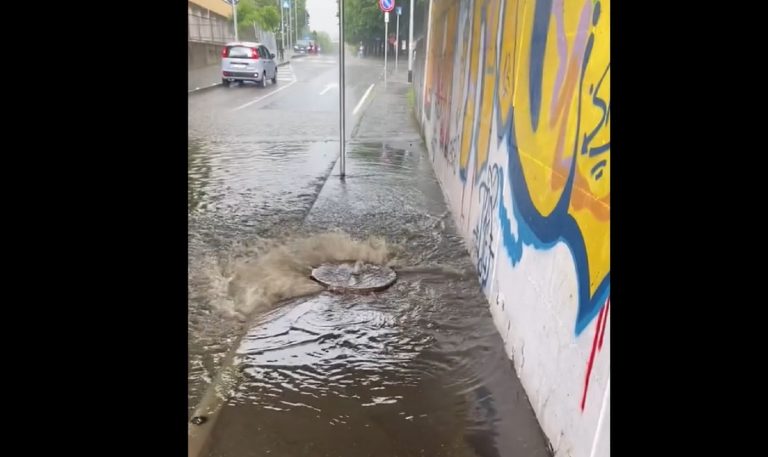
[
  {"x": 386, "y": 6},
  {"x": 399, "y": 11},
  {"x": 386, "y": 43}
]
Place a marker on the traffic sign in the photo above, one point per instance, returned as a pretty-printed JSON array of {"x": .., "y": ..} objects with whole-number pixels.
[
  {"x": 386, "y": 16},
  {"x": 386, "y": 5},
  {"x": 399, "y": 10}
]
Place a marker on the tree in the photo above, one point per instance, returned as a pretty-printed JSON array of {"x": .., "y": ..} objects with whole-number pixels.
[
  {"x": 263, "y": 13},
  {"x": 323, "y": 40},
  {"x": 268, "y": 18},
  {"x": 246, "y": 13},
  {"x": 364, "y": 21}
]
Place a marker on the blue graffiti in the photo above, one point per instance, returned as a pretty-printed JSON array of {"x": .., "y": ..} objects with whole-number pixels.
[
  {"x": 485, "y": 65},
  {"x": 538, "y": 45},
  {"x": 508, "y": 71},
  {"x": 605, "y": 108},
  {"x": 544, "y": 232},
  {"x": 490, "y": 192},
  {"x": 535, "y": 229}
]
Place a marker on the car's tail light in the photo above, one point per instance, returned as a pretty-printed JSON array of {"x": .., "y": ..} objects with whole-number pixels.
[
  {"x": 224, "y": 52},
  {"x": 254, "y": 54}
]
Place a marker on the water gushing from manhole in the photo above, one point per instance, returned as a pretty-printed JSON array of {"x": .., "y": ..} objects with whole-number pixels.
[{"x": 358, "y": 277}]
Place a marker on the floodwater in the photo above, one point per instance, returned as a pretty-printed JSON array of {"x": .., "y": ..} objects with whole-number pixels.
[{"x": 280, "y": 366}]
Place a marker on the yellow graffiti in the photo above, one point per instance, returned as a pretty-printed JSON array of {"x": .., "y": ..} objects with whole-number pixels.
[
  {"x": 460, "y": 72},
  {"x": 442, "y": 52},
  {"x": 545, "y": 160},
  {"x": 489, "y": 83},
  {"x": 548, "y": 145},
  {"x": 509, "y": 61},
  {"x": 591, "y": 198},
  {"x": 484, "y": 41},
  {"x": 471, "y": 86},
  {"x": 439, "y": 33},
  {"x": 561, "y": 116}
]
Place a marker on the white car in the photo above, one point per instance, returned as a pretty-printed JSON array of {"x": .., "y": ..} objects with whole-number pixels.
[{"x": 246, "y": 61}]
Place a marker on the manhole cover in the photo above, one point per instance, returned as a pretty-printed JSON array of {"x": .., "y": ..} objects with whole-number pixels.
[{"x": 354, "y": 277}]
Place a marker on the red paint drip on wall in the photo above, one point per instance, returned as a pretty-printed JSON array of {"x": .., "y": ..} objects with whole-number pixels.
[
  {"x": 597, "y": 344},
  {"x": 605, "y": 319}
]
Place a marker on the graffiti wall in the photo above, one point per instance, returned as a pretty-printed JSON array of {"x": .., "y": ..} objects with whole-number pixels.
[{"x": 515, "y": 109}]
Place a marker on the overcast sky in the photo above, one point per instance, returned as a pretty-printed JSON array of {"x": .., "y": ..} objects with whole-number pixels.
[{"x": 322, "y": 16}]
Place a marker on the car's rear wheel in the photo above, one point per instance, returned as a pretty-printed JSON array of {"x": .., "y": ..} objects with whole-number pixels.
[
  {"x": 263, "y": 82},
  {"x": 225, "y": 82},
  {"x": 274, "y": 80}
]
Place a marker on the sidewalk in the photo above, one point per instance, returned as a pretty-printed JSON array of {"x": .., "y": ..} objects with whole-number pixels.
[
  {"x": 207, "y": 77},
  {"x": 401, "y": 74},
  {"x": 418, "y": 369},
  {"x": 390, "y": 191},
  {"x": 388, "y": 115}
]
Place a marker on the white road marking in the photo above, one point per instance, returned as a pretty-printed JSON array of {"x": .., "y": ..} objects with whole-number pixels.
[
  {"x": 329, "y": 87},
  {"x": 360, "y": 103},
  {"x": 258, "y": 99}
]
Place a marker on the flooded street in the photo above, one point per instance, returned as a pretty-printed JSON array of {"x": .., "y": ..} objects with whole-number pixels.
[{"x": 283, "y": 367}]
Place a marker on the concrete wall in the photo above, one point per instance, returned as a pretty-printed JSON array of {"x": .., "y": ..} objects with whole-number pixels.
[
  {"x": 515, "y": 109},
  {"x": 200, "y": 55}
]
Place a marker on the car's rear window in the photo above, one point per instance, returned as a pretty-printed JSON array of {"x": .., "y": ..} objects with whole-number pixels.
[{"x": 239, "y": 52}]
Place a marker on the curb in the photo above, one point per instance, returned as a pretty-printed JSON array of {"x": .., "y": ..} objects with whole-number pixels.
[
  {"x": 365, "y": 107},
  {"x": 203, "y": 89}
]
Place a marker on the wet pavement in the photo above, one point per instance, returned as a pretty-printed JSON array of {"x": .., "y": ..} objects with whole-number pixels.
[{"x": 415, "y": 370}]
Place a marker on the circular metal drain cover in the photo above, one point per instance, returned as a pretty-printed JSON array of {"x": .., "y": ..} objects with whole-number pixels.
[{"x": 354, "y": 277}]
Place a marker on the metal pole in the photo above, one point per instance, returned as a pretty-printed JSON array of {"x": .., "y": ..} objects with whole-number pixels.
[
  {"x": 296, "y": 19},
  {"x": 428, "y": 32},
  {"x": 410, "y": 45},
  {"x": 290, "y": 26},
  {"x": 282, "y": 24},
  {"x": 234, "y": 15},
  {"x": 397, "y": 40},
  {"x": 386, "y": 45},
  {"x": 342, "y": 139}
]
